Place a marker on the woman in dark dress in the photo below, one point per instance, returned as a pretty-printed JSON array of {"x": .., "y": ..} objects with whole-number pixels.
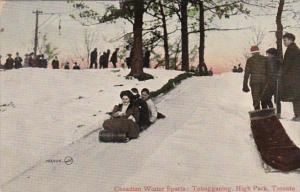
[{"x": 124, "y": 117}]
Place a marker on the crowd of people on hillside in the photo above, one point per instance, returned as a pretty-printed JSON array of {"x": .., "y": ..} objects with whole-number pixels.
[
  {"x": 32, "y": 60},
  {"x": 272, "y": 76},
  {"x": 105, "y": 58},
  {"x": 135, "y": 114}
]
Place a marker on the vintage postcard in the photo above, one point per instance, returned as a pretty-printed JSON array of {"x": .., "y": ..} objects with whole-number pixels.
[{"x": 149, "y": 95}]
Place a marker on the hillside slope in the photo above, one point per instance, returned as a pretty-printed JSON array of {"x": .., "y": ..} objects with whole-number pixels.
[{"x": 204, "y": 141}]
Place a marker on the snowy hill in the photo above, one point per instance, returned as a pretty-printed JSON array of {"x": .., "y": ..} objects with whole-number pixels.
[
  {"x": 204, "y": 141},
  {"x": 45, "y": 110}
]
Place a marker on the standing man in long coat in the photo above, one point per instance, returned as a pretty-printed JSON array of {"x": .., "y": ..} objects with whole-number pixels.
[
  {"x": 114, "y": 57},
  {"x": 291, "y": 74},
  {"x": 107, "y": 58},
  {"x": 55, "y": 63},
  {"x": 18, "y": 61},
  {"x": 94, "y": 56},
  {"x": 147, "y": 58}
]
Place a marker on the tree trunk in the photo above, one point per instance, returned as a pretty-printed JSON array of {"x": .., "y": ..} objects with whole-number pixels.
[
  {"x": 184, "y": 36},
  {"x": 279, "y": 31},
  {"x": 202, "y": 34},
  {"x": 165, "y": 30},
  {"x": 137, "y": 59}
]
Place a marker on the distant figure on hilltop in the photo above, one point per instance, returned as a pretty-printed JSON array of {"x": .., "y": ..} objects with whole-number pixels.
[
  {"x": 32, "y": 60},
  {"x": 55, "y": 63},
  {"x": 234, "y": 70},
  {"x": 67, "y": 65},
  {"x": 202, "y": 69},
  {"x": 18, "y": 61},
  {"x": 93, "y": 59},
  {"x": 240, "y": 69},
  {"x": 43, "y": 63},
  {"x": 114, "y": 57},
  {"x": 9, "y": 64},
  {"x": 102, "y": 60},
  {"x": 76, "y": 66},
  {"x": 147, "y": 55},
  {"x": 129, "y": 59},
  {"x": 107, "y": 58},
  {"x": 26, "y": 60},
  {"x": 256, "y": 67}
]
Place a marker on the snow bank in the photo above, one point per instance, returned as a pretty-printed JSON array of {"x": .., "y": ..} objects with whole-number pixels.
[
  {"x": 43, "y": 110},
  {"x": 204, "y": 141},
  {"x": 212, "y": 147}
]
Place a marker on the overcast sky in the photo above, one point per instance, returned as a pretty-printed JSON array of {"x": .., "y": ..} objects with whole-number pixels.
[{"x": 223, "y": 49}]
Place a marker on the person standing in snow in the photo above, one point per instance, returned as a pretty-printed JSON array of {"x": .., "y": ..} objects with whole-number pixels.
[
  {"x": 256, "y": 69},
  {"x": 94, "y": 56},
  {"x": 9, "y": 64},
  {"x": 55, "y": 63},
  {"x": 26, "y": 60},
  {"x": 102, "y": 60},
  {"x": 147, "y": 58},
  {"x": 151, "y": 106},
  {"x": 291, "y": 74},
  {"x": 32, "y": 60},
  {"x": 43, "y": 62},
  {"x": 114, "y": 57},
  {"x": 18, "y": 61},
  {"x": 107, "y": 55},
  {"x": 273, "y": 67}
]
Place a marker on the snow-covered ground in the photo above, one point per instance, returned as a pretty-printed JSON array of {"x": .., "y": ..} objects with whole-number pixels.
[
  {"x": 48, "y": 109},
  {"x": 204, "y": 141}
]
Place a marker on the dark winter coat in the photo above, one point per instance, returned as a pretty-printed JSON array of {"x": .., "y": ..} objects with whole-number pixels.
[
  {"x": 290, "y": 89},
  {"x": 67, "y": 67},
  {"x": 122, "y": 124},
  {"x": 147, "y": 59},
  {"x": 102, "y": 61},
  {"x": 144, "y": 112},
  {"x": 32, "y": 62},
  {"x": 256, "y": 69},
  {"x": 18, "y": 62},
  {"x": 76, "y": 67},
  {"x": 43, "y": 63},
  {"x": 273, "y": 68},
  {"x": 55, "y": 64},
  {"x": 107, "y": 59},
  {"x": 9, "y": 64},
  {"x": 114, "y": 57},
  {"x": 94, "y": 55}
]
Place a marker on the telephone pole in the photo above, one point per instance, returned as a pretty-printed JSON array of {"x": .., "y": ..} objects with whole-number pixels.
[{"x": 36, "y": 39}]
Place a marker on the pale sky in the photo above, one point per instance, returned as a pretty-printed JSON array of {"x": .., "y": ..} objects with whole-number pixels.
[{"x": 223, "y": 49}]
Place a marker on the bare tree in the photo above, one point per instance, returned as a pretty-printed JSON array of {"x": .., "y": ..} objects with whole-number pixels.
[
  {"x": 91, "y": 38},
  {"x": 258, "y": 36}
]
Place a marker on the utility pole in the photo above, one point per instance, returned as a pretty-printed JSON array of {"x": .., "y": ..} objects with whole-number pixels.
[{"x": 36, "y": 39}]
